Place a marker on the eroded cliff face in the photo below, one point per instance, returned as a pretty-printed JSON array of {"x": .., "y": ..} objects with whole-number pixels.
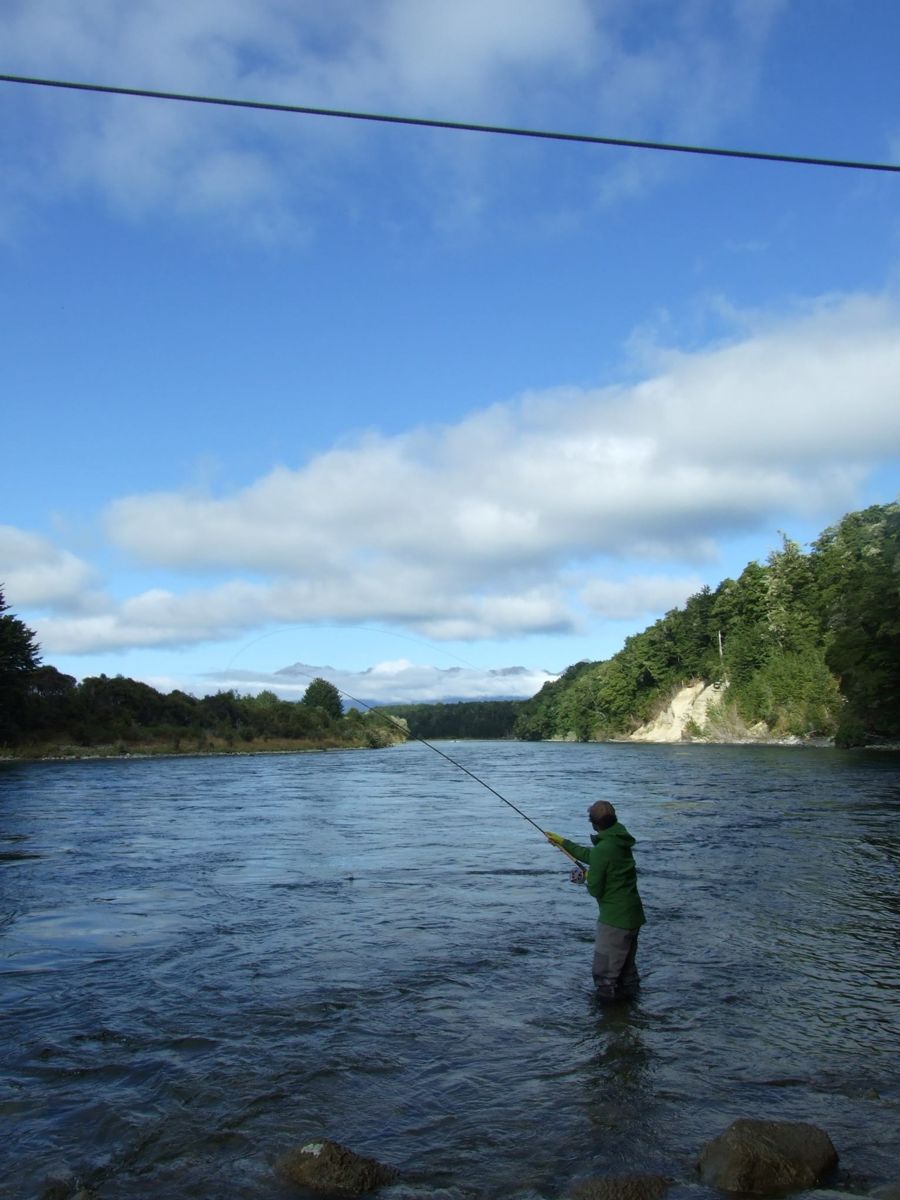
[
  {"x": 686, "y": 716},
  {"x": 700, "y": 712}
]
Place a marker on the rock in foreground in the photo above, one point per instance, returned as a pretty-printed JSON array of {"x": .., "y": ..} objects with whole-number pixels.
[
  {"x": 767, "y": 1157},
  {"x": 332, "y": 1169}
]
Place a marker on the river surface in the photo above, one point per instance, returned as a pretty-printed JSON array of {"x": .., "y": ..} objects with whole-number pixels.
[{"x": 207, "y": 961}]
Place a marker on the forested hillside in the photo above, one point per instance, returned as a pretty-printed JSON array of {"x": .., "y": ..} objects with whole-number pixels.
[
  {"x": 808, "y": 644},
  {"x": 459, "y": 719}
]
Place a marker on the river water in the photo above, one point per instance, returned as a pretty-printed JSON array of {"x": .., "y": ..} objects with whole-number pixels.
[{"x": 207, "y": 961}]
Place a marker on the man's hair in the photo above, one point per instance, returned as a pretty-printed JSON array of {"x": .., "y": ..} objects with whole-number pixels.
[{"x": 601, "y": 814}]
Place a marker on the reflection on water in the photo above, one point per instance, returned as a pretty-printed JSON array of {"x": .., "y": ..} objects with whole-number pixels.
[{"x": 205, "y": 961}]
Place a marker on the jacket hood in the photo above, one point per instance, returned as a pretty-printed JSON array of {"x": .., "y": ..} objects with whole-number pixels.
[{"x": 616, "y": 831}]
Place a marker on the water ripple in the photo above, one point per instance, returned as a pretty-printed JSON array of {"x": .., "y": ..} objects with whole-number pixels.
[{"x": 204, "y": 961}]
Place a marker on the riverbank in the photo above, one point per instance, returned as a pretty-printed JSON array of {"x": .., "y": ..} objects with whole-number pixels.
[{"x": 184, "y": 748}]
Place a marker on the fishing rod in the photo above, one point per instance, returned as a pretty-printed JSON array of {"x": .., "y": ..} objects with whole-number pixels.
[
  {"x": 395, "y": 724},
  {"x": 472, "y": 775}
]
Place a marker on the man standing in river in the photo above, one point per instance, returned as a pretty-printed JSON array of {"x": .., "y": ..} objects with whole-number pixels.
[{"x": 612, "y": 881}]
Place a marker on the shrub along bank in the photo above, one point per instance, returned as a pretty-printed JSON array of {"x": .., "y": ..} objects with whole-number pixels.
[{"x": 50, "y": 715}]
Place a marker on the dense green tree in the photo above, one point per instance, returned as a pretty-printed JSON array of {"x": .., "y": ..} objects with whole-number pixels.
[
  {"x": 49, "y": 698},
  {"x": 807, "y": 643},
  {"x": 102, "y": 709},
  {"x": 119, "y": 700},
  {"x": 180, "y": 711},
  {"x": 576, "y": 710},
  {"x": 566, "y": 707},
  {"x": 324, "y": 695},
  {"x": 533, "y": 723},
  {"x": 857, "y": 568},
  {"x": 222, "y": 713},
  {"x": 460, "y": 719},
  {"x": 19, "y": 658},
  {"x": 740, "y": 612},
  {"x": 619, "y": 686},
  {"x": 699, "y": 636},
  {"x": 791, "y": 614},
  {"x": 19, "y": 652}
]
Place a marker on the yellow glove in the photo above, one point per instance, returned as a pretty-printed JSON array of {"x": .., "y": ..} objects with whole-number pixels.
[{"x": 555, "y": 838}]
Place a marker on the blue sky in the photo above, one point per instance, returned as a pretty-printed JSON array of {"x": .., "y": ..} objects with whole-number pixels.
[{"x": 423, "y": 406}]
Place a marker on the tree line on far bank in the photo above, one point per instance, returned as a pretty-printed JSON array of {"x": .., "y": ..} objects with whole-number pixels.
[
  {"x": 459, "y": 718},
  {"x": 807, "y": 644},
  {"x": 43, "y": 711}
]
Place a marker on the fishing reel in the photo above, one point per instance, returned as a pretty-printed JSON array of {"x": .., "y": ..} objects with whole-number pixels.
[{"x": 578, "y": 875}]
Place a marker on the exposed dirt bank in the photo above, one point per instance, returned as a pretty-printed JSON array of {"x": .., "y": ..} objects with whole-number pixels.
[{"x": 698, "y": 712}]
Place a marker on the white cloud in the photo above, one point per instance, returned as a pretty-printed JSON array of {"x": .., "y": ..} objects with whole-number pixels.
[
  {"x": 460, "y": 53},
  {"x": 534, "y": 62},
  {"x": 35, "y": 572},
  {"x": 394, "y": 682},
  {"x": 787, "y": 419},
  {"x": 822, "y": 388},
  {"x": 499, "y": 525},
  {"x": 167, "y": 619},
  {"x": 637, "y": 596}
]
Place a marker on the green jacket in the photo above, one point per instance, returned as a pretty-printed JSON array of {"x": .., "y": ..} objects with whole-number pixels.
[{"x": 612, "y": 876}]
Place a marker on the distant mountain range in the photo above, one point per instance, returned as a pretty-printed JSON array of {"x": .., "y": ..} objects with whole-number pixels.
[{"x": 403, "y": 682}]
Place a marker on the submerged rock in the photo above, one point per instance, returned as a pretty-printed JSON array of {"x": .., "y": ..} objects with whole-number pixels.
[
  {"x": 66, "y": 1188},
  {"x": 332, "y": 1169},
  {"x": 765, "y": 1157},
  {"x": 622, "y": 1187}
]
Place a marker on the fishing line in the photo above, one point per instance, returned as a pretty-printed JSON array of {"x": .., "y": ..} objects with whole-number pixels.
[
  {"x": 407, "y": 733},
  {"x": 395, "y": 724}
]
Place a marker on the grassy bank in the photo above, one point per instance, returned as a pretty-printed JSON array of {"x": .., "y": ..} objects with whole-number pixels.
[{"x": 181, "y": 746}]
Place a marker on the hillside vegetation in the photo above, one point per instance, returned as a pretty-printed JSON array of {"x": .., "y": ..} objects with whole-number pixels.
[
  {"x": 458, "y": 719},
  {"x": 805, "y": 645}
]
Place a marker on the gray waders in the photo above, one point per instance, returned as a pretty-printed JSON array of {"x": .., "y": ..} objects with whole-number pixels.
[{"x": 614, "y": 969}]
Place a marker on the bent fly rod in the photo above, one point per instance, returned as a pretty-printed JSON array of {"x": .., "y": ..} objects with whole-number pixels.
[{"x": 459, "y": 766}]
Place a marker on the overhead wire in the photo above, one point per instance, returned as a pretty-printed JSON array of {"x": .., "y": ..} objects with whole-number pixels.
[{"x": 462, "y": 126}]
